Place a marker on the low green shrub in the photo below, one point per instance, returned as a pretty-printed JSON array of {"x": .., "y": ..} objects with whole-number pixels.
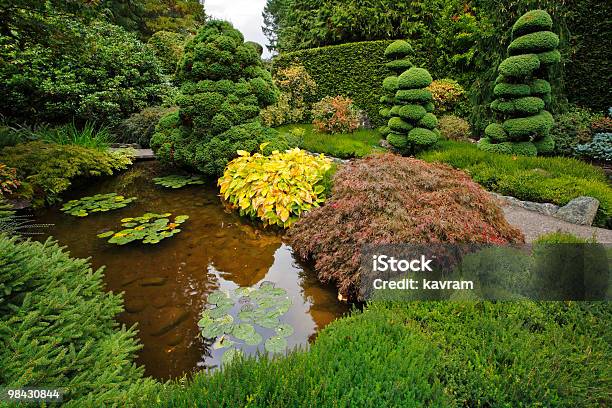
[
  {"x": 359, "y": 143},
  {"x": 389, "y": 199},
  {"x": 570, "y": 129},
  {"x": 275, "y": 189},
  {"x": 454, "y": 128},
  {"x": 140, "y": 127},
  {"x": 556, "y": 180},
  {"x": 433, "y": 354},
  {"x": 57, "y": 328},
  {"x": 335, "y": 114},
  {"x": 47, "y": 169}
]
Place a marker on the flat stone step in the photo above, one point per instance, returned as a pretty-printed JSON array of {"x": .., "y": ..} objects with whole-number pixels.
[{"x": 142, "y": 154}]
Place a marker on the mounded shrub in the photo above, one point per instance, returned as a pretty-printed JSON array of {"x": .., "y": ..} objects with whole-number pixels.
[
  {"x": 454, "y": 128},
  {"x": 140, "y": 127},
  {"x": 448, "y": 96},
  {"x": 335, "y": 115},
  {"x": 600, "y": 148},
  {"x": 397, "y": 53},
  {"x": 224, "y": 86},
  {"x": 386, "y": 199},
  {"x": 57, "y": 327},
  {"x": 521, "y": 92},
  {"x": 570, "y": 129},
  {"x": 414, "y": 101}
]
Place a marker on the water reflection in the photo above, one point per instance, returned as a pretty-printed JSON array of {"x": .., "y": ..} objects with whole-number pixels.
[{"x": 165, "y": 286}]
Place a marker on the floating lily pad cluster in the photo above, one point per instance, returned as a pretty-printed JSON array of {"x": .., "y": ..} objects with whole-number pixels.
[
  {"x": 150, "y": 229},
  {"x": 261, "y": 306},
  {"x": 177, "y": 181},
  {"x": 98, "y": 203}
]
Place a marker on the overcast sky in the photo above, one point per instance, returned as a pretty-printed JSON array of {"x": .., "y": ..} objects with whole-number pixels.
[{"x": 245, "y": 15}]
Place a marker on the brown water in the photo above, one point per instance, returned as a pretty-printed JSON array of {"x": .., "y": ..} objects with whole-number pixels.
[{"x": 166, "y": 285}]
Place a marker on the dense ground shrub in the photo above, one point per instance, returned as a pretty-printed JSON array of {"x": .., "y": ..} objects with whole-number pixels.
[
  {"x": 416, "y": 354},
  {"x": 454, "y": 128},
  {"x": 601, "y": 124},
  {"x": 522, "y": 92},
  {"x": 295, "y": 101},
  {"x": 600, "y": 148},
  {"x": 140, "y": 127},
  {"x": 77, "y": 71},
  {"x": 335, "y": 114},
  {"x": 275, "y": 189},
  {"x": 57, "y": 327},
  {"x": 448, "y": 95},
  {"x": 413, "y": 126},
  {"x": 386, "y": 199},
  {"x": 48, "y": 169},
  {"x": 570, "y": 129},
  {"x": 224, "y": 86},
  {"x": 168, "y": 47},
  {"x": 555, "y": 180}
]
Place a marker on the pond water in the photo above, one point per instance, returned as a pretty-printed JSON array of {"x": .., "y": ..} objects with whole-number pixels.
[{"x": 166, "y": 285}]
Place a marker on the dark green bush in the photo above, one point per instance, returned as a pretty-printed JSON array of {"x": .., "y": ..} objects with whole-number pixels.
[
  {"x": 525, "y": 125},
  {"x": 555, "y": 180},
  {"x": 570, "y": 129},
  {"x": 224, "y": 86},
  {"x": 47, "y": 169},
  {"x": 428, "y": 354},
  {"x": 168, "y": 47},
  {"x": 139, "y": 127},
  {"x": 57, "y": 328},
  {"x": 77, "y": 71}
]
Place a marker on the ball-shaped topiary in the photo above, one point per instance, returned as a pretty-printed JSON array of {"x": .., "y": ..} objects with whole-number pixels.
[
  {"x": 521, "y": 94},
  {"x": 224, "y": 86},
  {"x": 415, "y": 127},
  {"x": 397, "y": 55}
]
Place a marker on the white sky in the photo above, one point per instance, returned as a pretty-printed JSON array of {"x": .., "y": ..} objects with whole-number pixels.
[{"x": 245, "y": 15}]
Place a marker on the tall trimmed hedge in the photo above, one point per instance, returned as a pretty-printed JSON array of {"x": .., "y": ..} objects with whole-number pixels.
[
  {"x": 356, "y": 70},
  {"x": 58, "y": 328}
]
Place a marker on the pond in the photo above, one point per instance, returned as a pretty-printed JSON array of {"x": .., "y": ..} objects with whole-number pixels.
[{"x": 166, "y": 285}]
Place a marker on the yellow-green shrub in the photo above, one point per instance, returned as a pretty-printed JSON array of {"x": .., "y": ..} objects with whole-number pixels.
[{"x": 276, "y": 189}]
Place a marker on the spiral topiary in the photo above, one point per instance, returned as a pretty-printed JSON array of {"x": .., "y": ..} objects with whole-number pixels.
[
  {"x": 397, "y": 55},
  {"x": 521, "y": 93},
  {"x": 223, "y": 87},
  {"x": 413, "y": 126}
]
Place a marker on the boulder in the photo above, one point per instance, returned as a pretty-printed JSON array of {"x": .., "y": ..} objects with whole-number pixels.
[{"x": 580, "y": 210}]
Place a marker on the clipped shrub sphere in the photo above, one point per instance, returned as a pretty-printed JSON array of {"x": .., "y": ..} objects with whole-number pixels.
[
  {"x": 412, "y": 112},
  {"x": 415, "y": 78},
  {"x": 429, "y": 121},
  {"x": 422, "y": 137},
  {"x": 549, "y": 57},
  {"x": 385, "y": 112},
  {"x": 390, "y": 84},
  {"x": 397, "y": 140},
  {"x": 485, "y": 144},
  {"x": 399, "y": 65},
  {"x": 524, "y": 149},
  {"x": 414, "y": 95},
  {"x": 519, "y": 65},
  {"x": 398, "y": 49},
  {"x": 540, "y": 87},
  {"x": 534, "y": 43},
  {"x": 505, "y": 90},
  {"x": 521, "y": 128},
  {"x": 395, "y": 110},
  {"x": 532, "y": 21},
  {"x": 430, "y": 107},
  {"x": 398, "y": 125},
  {"x": 496, "y": 133},
  {"x": 546, "y": 145}
]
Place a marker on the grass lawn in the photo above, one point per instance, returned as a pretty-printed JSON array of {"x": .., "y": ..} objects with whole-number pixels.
[
  {"x": 343, "y": 145},
  {"x": 541, "y": 179}
]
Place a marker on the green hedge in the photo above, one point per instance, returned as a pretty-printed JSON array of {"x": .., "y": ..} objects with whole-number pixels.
[
  {"x": 555, "y": 180},
  {"x": 57, "y": 328},
  {"x": 475, "y": 354},
  {"x": 356, "y": 70}
]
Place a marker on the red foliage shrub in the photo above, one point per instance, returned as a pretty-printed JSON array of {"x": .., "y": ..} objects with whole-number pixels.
[
  {"x": 388, "y": 199},
  {"x": 335, "y": 115},
  {"x": 601, "y": 124}
]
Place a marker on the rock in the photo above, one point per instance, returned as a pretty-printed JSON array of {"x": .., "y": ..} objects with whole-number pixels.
[
  {"x": 546, "y": 208},
  {"x": 581, "y": 211},
  {"x": 168, "y": 319},
  {"x": 135, "y": 305},
  {"x": 153, "y": 281}
]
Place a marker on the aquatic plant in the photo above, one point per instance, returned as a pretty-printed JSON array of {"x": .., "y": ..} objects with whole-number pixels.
[
  {"x": 261, "y": 306},
  {"x": 150, "y": 229},
  {"x": 178, "y": 181},
  {"x": 278, "y": 188},
  {"x": 98, "y": 203}
]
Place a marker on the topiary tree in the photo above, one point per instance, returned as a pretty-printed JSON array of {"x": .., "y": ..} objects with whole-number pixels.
[
  {"x": 521, "y": 92},
  {"x": 412, "y": 125},
  {"x": 397, "y": 53},
  {"x": 224, "y": 86}
]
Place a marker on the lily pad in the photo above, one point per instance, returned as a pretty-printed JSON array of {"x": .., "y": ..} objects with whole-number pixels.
[
  {"x": 177, "y": 181},
  {"x": 97, "y": 203},
  {"x": 223, "y": 342},
  {"x": 284, "y": 330},
  {"x": 247, "y": 333},
  {"x": 149, "y": 229},
  {"x": 276, "y": 344}
]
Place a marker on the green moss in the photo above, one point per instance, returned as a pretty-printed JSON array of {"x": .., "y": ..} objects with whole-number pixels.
[
  {"x": 506, "y": 90},
  {"x": 534, "y": 43},
  {"x": 398, "y": 50},
  {"x": 519, "y": 65},
  {"x": 520, "y": 128},
  {"x": 412, "y": 113},
  {"x": 422, "y": 137},
  {"x": 415, "y": 78},
  {"x": 496, "y": 133},
  {"x": 414, "y": 95},
  {"x": 545, "y": 145},
  {"x": 532, "y": 21},
  {"x": 399, "y": 126},
  {"x": 397, "y": 140},
  {"x": 429, "y": 121}
]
